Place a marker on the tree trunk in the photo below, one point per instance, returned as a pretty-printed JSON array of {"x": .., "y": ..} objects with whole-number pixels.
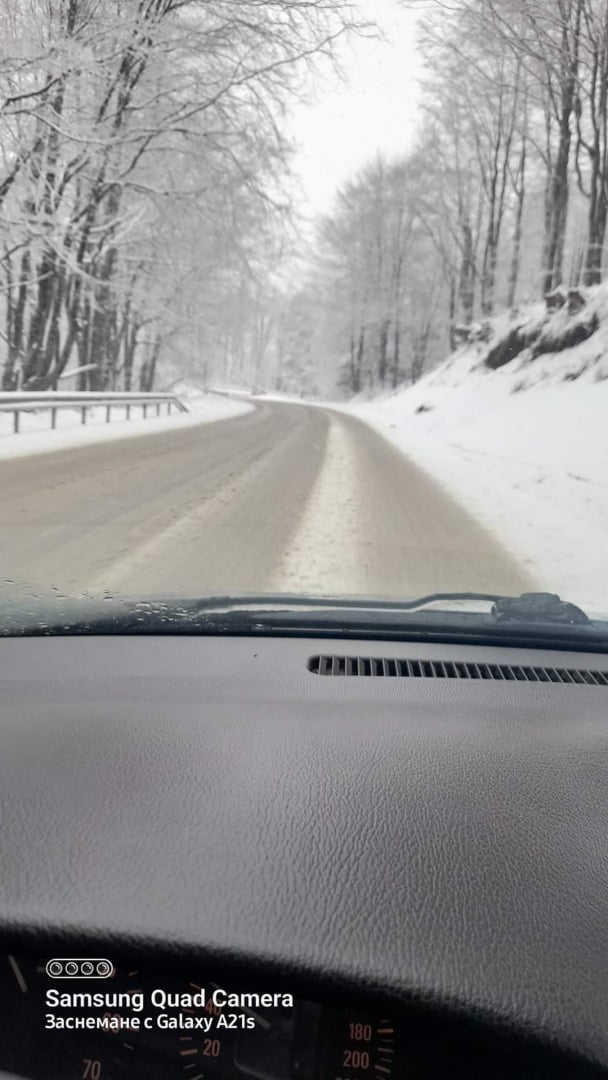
[
  {"x": 559, "y": 202},
  {"x": 15, "y": 319},
  {"x": 467, "y": 276},
  {"x": 383, "y": 352},
  {"x": 396, "y": 355},
  {"x": 357, "y": 383},
  {"x": 17, "y": 344},
  {"x": 594, "y": 255},
  {"x": 559, "y": 189},
  {"x": 147, "y": 373},
  {"x": 488, "y": 283},
  {"x": 351, "y": 363},
  {"x": 520, "y": 191},
  {"x": 130, "y": 347},
  {"x": 452, "y": 313},
  {"x": 84, "y": 344}
]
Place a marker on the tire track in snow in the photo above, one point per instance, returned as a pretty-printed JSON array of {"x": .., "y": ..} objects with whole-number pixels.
[{"x": 327, "y": 555}]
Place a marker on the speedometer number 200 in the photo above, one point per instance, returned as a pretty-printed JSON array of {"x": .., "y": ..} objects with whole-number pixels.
[{"x": 356, "y": 1059}]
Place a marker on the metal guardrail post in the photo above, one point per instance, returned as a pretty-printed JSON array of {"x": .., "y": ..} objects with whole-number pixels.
[{"x": 19, "y": 402}]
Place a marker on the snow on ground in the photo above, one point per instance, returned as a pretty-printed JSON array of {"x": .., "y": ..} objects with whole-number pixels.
[
  {"x": 327, "y": 554},
  {"x": 35, "y": 436},
  {"x": 525, "y": 448},
  {"x": 287, "y": 399}
]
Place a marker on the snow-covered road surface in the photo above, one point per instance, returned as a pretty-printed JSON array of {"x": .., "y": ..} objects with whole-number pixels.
[{"x": 285, "y": 498}]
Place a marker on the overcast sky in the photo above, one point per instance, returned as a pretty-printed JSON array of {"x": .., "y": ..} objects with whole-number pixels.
[{"x": 373, "y": 110}]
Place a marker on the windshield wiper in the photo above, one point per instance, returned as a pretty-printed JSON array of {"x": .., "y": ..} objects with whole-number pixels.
[
  {"x": 535, "y": 620},
  {"x": 529, "y": 607},
  {"x": 539, "y": 607}
]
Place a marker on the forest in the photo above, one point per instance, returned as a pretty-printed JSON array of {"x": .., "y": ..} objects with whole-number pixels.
[
  {"x": 143, "y": 195},
  {"x": 501, "y": 202},
  {"x": 146, "y": 211}
]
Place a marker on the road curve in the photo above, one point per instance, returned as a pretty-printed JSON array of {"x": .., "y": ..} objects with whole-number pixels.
[{"x": 286, "y": 498}]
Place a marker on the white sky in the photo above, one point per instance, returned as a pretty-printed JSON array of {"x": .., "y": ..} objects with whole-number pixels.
[{"x": 373, "y": 110}]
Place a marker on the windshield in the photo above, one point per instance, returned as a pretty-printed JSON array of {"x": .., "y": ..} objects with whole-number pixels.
[{"x": 304, "y": 300}]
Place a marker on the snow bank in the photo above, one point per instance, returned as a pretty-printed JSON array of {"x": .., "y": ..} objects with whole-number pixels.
[
  {"x": 36, "y": 438},
  {"x": 524, "y": 447}
]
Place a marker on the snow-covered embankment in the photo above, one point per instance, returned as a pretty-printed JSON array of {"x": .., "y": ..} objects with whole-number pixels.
[{"x": 523, "y": 445}]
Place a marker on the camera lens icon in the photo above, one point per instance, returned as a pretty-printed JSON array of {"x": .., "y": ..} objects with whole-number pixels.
[{"x": 75, "y": 968}]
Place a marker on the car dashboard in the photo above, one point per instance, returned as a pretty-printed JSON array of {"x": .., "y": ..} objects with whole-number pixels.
[
  {"x": 302, "y": 860},
  {"x": 146, "y": 1024},
  {"x": 141, "y": 1024}
]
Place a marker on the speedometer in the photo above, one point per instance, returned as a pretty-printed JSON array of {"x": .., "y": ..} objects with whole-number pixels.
[
  {"x": 210, "y": 1051},
  {"x": 217, "y": 1038},
  {"x": 357, "y": 1047},
  {"x": 248, "y": 1039}
]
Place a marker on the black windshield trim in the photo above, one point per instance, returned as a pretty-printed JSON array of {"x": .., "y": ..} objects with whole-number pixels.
[{"x": 429, "y": 627}]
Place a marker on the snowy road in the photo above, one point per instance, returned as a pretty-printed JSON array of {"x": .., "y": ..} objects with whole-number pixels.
[{"x": 284, "y": 498}]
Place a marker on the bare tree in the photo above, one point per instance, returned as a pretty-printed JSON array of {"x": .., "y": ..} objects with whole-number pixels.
[{"x": 116, "y": 120}]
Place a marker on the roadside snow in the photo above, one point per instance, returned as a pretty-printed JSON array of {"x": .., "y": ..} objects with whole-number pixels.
[
  {"x": 285, "y": 399},
  {"x": 327, "y": 552},
  {"x": 525, "y": 448},
  {"x": 36, "y": 437}
]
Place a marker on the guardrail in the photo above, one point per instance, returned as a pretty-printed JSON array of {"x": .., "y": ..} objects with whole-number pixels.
[{"x": 19, "y": 402}]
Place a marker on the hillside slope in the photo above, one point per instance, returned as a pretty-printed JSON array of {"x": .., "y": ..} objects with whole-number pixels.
[{"x": 516, "y": 427}]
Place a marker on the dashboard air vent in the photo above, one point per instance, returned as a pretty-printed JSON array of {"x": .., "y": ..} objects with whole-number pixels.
[{"x": 378, "y": 667}]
